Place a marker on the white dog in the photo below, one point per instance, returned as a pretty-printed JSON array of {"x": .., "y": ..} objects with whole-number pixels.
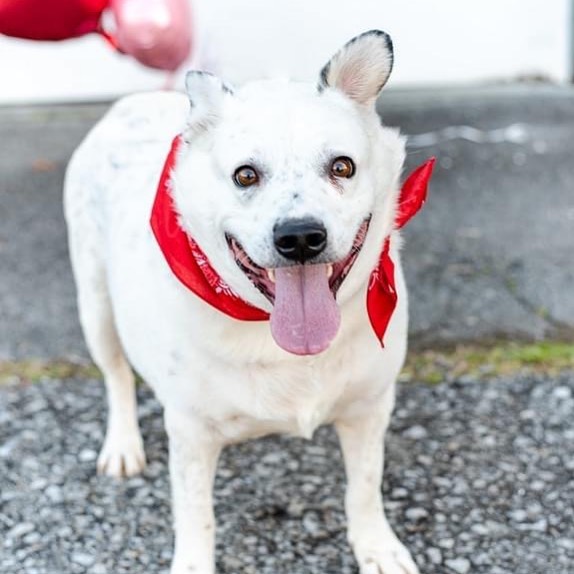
[{"x": 279, "y": 199}]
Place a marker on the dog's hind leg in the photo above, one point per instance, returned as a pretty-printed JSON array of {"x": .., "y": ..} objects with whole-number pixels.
[
  {"x": 375, "y": 545},
  {"x": 122, "y": 453}
]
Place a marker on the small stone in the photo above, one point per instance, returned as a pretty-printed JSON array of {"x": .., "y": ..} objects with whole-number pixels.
[
  {"x": 20, "y": 530},
  {"x": 434, "y": 555},
  {"x": 87, "y": 455},
  {"x": 537, "y": 485},
  {"x": 562, "y": 393},
  {"x": 82, "y": 558},
  {"x": 38, "y": 484},
  {"x": 54, "y": 493},
  {"x": 459, "y": 565},
  {"x": 310, "y": 522},
  {"x": 416, "y": 514},
  {"x": 518, "y": 515},
  {"x": 566, "y": 543},
  {"x": 296, "y": 508},
  {"x": 479, "y": 484},
  {"x": 399, "y": 493},
  {"x": 489, "y": 441},
  {"x": 481, "y": 559},
  {"x": 480, "y": 529},
  {"x": 232, "y": 563},
  {"x": 32, "y": 538},
  {"x": 416, "y": 432},
  {"x": 538, "y": 526},
  {"x": 425, "y": 460}
]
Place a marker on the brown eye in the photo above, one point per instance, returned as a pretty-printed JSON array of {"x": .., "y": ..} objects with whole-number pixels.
[
  {"x": 245, "y": 176},
  {"x": 343, "y": 167}
]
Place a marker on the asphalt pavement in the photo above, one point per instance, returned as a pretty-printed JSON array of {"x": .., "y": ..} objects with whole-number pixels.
[{"x": 490, "y": 255}]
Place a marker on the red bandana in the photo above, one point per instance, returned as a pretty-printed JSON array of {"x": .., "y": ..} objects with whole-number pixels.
[{"x": 191, "y": 266}]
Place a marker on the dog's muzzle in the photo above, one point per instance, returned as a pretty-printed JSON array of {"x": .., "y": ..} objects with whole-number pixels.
[{"x": 305, "y": 316}]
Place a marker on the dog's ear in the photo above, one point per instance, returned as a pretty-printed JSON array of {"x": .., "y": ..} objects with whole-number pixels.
[
  {"x": 206, "y": 93},
  {"x": 361, "y": 67}
]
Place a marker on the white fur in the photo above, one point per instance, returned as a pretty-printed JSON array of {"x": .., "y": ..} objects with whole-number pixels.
[{"x": 221, "y": 380}]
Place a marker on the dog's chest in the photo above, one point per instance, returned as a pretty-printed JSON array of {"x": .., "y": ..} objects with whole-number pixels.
[
  {"x": 249, "y": 400},
  {"x": 255, "y": 401},
  {"x": 294, "y": 402}
]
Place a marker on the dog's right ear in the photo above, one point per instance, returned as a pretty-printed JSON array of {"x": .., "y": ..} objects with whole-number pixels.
[
  {"x": 361, "y": 67},
  {"x": 206, "y": 93}
]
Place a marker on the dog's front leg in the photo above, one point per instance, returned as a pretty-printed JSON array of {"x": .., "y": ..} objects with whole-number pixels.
[
  {"x": 192, "y": 460},
  {"x": 375, "y": 545}
]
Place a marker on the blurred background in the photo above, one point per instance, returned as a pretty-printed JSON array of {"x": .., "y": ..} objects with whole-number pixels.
[
  {"x": 483, "y": 85},
  {"x": 479, "y": 475},
  {"x": 444, "y": 42}
]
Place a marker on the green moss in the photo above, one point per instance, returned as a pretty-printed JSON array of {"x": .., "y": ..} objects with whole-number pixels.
[
  {"x": 560, "y": 354},
  {"x": 543, "y": 312},
  {"x": 511, "y": 285},
  {"x": 486, "y": 362},
  {"x": 34, "y": 370},
  {"x": 429, "y": 366}
]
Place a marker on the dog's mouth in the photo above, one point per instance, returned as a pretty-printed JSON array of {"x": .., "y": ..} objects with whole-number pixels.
[{"x": 305, "y": 316}]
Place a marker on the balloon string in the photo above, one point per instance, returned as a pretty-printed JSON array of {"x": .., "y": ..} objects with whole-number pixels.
[
  {"x": 170, "y": 78},
  {"x": 110, "y": 38},
  {"x": 169, "y": 83}
]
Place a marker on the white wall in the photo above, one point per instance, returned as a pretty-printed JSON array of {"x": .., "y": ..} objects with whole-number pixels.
[{"x": 436, "y": 42}]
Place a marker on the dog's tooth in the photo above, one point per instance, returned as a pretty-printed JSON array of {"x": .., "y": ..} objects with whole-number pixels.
[
  {"x": 329, "y": 270},
  {"x": 271, "y": 275}
]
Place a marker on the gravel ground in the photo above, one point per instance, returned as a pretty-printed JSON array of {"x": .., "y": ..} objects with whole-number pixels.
[{"x": 480, "y": 479}]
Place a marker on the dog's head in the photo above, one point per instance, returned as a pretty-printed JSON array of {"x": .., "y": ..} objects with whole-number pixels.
[{"x": 290, "y": 189}]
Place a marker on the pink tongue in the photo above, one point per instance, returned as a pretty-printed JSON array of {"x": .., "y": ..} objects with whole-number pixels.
[{"x": 305, "y": 316}]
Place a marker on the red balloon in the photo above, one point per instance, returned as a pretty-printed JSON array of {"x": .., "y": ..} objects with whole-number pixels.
[
  {"x": 155, "y": 32},
  {"x": 50, "y": 19}
]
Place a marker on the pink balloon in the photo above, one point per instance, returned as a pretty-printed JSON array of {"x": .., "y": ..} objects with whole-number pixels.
[{"x": 155, "y": 32}]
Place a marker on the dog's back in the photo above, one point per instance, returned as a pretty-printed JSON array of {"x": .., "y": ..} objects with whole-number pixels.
[{"x": 124, "y": 150}]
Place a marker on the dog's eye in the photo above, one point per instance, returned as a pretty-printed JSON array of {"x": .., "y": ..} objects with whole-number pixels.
[
  {"x": 343, "y": 167},
  {"x": 245, "y": 176}
]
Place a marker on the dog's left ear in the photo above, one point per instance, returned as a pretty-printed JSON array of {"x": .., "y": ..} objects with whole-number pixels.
[
  {"x": 361, "y": 67},
  {"x": 206, "y": 93}
]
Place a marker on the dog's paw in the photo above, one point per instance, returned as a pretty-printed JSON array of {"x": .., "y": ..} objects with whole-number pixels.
[
  {"x": 391, "y": 558},
  {"x": 122, "y": 455}
]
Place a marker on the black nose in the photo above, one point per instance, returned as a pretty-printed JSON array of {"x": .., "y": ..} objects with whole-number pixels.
[{"x": 300, "y": 239}]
